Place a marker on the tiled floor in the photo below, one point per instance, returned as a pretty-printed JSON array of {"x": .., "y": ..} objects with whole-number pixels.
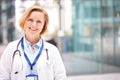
[
  {"x": 78, "y": 65},
  {"x": 110, "y": 76}
]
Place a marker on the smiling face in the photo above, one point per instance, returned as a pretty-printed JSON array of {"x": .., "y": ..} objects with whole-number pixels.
[{"x": 34, "y": 24}]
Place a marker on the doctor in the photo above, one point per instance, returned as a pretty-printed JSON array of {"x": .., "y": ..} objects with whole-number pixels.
[{"x": 31, "y": 58}]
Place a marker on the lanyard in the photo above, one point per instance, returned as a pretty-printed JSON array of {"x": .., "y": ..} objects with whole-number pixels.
[{"x": 26, "y": 57}]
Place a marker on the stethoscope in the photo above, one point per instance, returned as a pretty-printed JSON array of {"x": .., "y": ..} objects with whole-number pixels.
[{"x": 17, "y": 52}]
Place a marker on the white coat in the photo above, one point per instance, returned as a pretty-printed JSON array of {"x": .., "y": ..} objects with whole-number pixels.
[{"x": 14, "y": 67}]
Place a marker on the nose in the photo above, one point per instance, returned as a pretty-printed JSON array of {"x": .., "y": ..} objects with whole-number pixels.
[{"x": 34, "y": 23}]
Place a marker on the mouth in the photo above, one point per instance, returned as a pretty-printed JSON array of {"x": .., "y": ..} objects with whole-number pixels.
[{"x": 32, "y": 29}]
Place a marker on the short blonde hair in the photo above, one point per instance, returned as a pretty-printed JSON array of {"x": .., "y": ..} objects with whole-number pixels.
[{"x": 27, "y": 13}]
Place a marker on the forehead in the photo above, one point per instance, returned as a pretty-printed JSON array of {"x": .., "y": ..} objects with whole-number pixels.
[{"x": 36, "y": 14}]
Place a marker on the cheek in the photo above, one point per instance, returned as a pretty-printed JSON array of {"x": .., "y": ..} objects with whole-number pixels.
[
  {"x": 25, "y": 27},
  {"x": 42, "y": 26}
]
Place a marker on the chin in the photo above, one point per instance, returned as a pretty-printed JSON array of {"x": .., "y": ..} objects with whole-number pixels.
[{"x": 34, "y": 36}]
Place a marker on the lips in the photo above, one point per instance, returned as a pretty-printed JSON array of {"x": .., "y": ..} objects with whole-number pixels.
[{"x": 32, "y": 29}]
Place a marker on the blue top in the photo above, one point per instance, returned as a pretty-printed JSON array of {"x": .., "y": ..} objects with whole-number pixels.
[{"x": 31, "y": 54}]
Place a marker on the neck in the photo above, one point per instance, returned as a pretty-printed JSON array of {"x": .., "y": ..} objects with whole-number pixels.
[{"x": 32, "y": 39}]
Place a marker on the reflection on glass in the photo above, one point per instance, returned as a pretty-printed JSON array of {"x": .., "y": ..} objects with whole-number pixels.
[{"x": 95, "y": 39}]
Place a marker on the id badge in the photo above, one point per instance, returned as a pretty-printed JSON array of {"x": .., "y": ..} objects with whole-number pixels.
[{"x": 31, "y": 77}]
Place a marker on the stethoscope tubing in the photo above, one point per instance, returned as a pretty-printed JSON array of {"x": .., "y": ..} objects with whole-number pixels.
[{"x": 17, "y": 51}]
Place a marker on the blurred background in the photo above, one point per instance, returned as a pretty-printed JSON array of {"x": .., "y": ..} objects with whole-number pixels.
[{"x": 87, "y": 32}]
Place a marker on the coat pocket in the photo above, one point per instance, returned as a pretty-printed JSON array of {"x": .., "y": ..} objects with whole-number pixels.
[
  {"x": 45, "y": 70},
  {"x": 14, "y": 75},
  {"x": 18, "y": 75}
]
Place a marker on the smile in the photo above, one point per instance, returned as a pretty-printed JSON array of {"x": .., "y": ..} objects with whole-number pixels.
[{"x": 32, "y": 29}]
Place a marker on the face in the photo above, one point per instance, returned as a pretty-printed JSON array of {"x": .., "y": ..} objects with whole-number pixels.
[{"x": 34, "y": 24}]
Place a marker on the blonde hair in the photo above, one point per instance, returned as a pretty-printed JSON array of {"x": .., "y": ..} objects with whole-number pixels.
[{"x": 27, "y": 13}]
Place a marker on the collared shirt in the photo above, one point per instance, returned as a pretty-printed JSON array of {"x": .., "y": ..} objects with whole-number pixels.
[{"x": 31, "y": 53}]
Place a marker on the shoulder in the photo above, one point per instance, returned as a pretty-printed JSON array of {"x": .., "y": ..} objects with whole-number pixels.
[
  {"x": 52, "y": 49},
  {"x": 49, "y": 45},
  {"x": 9, "y": 50},
  {"x": 11, "y": 46},
  {"x": 13, "y": 43}
]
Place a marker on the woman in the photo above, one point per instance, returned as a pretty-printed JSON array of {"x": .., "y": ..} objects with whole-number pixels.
[{"x": 31, "y": 58}]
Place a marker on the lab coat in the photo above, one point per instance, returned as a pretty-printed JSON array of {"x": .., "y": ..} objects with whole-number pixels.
[{"x": 13, "y": 66}]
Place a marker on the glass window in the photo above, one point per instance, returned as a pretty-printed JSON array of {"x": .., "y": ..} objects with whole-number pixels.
[
  {"x": 116, "y": 6},
  {"x": 91, "y": 12},
  {"x": 105, "y": 12},
  {"x": 96, "y": 37},
  {"x": 77, "y": 9}
]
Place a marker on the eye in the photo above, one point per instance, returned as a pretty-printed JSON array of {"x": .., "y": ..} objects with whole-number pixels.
[
  {"x": 38, "y": 21},
  {"x": 30, "y": 20}
]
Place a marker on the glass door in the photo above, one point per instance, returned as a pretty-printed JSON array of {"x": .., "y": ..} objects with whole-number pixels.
[{"x": 110, "y": 38}]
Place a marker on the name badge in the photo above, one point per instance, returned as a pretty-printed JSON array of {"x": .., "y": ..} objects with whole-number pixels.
[{"x": 31, "y": 77}]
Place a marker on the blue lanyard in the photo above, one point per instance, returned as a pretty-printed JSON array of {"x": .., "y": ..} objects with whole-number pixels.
[{"x": 26, "y": 57}]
